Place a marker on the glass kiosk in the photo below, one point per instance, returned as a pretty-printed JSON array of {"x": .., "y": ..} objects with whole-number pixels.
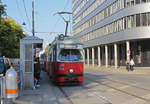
[{"x": 28, "y": 50}]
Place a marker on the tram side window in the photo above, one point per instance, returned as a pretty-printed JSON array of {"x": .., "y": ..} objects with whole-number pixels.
[
  {"x": 50, "y": 57},
  {"x": 70, "y": 55},
  {"x": 54, "y": 54}
]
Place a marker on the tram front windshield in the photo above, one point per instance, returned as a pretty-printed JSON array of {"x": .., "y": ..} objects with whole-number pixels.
[{"x": 70, "y": 55}]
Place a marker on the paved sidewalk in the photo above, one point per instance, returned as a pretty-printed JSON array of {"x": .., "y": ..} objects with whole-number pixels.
[
  {"x": 47, "y": 93},
  {"x": 120, "y": 70}
]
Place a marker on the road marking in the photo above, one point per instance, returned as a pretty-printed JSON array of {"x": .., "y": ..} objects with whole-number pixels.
[
  {"x": 134, "y": 101},
  {"x": 147, "y": 96},
  {"x": 124, "y": 87},
  {"x": 100, "y": 97}
]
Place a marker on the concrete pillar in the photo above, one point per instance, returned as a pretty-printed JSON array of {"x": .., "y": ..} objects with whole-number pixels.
[
  {"x": 88, "y": 56},
  {"x": 93, "y": 57},
  {"x": 84, "y": 55},
  {"x": 115, "y": 55},
  {"x": 128, "y": 51},
  {"x": 99, "y": 56},
  {"x": 106, "y": 56}
]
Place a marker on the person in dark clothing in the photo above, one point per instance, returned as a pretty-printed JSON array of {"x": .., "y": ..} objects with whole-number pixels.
[
  {"x": 37, "y": 69},
  {"x": 132, "y": 64}
]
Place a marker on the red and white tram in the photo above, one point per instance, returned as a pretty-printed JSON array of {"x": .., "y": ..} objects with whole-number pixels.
[{"x": 66, "y": 60}]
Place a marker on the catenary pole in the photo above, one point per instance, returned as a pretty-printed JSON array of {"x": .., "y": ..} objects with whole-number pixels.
[{"x": 33, "y": 18}]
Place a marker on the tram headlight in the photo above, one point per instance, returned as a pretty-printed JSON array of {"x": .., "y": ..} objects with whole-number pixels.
[{"x": 71, "y": 70}]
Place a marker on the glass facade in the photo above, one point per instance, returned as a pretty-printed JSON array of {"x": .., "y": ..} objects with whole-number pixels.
[
  {"x": 139, "y": 48},
  {"x": 91, "y": 8},
  {"x": 137, "y": 20},
  {"x": 140, "y": 52},
  {"x": 119, "y": 25},
  {"x": 110, "y": 10},
  {"x": 143, "y": 19}
]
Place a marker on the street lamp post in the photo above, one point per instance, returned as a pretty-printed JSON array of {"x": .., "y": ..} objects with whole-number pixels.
[{"x": 33, "y": 18}]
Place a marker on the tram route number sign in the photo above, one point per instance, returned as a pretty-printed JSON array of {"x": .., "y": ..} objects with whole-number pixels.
[{"x": 128, "y": 52}]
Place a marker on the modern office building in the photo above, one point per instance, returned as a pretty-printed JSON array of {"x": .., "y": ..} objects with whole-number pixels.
[{"x": 113, "y": 31}]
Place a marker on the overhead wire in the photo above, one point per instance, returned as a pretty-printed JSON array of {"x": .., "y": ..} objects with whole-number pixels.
[
  {"x": 18, "y": 8},
  {"x": 18, "y": 23},
  {"x": 53, "y": 29},
  {"x": 26, "y": 13},
  {"x": 21, "y": 16}
]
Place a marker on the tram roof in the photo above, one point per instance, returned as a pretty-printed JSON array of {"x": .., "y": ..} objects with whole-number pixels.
[{"x": 67, "y": 40}]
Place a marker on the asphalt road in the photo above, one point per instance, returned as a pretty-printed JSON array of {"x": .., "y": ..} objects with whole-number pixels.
[{"x": 99, "y": 87}]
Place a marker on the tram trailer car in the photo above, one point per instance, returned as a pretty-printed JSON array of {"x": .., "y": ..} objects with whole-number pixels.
[
  {"x": 66, "y": 60},
  {"x": 43, "y": 61}
]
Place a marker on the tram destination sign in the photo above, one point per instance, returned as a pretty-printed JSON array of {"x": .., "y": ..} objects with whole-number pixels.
[{"x": 71, "y": 46}]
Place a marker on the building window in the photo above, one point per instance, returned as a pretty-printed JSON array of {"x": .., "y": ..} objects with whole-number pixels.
[
  {"x": 128, "y": 22},
  {"x": 132, "y": 2},
  {"x": 125, "y": 24},
  {"x": 137, "y": 20},
  {"x": 105, "y": 13},
  {"x": 127, "y": 3},
  {"x": 143, "y": 19},
  {"x": 143, "y": 1},
  {"x": 109, "y": 11},
  {"x": 132, "y": 21},
  {"x": 137, "y": 1},
  {"x": 148, "y": 18}
]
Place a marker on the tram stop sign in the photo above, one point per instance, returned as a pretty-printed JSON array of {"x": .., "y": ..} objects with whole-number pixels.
[
  {"x": 38, "y": 51},
  {"x": 128, "y": 52}
]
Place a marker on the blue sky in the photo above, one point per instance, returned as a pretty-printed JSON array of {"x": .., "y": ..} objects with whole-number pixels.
[{"x": 45, "y": 20}]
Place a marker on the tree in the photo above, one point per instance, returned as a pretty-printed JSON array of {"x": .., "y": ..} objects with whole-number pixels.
[
  {"x": 10, "y": 35},
  {"x": 2, "y": 10},
  {"x": 47, "y": 48}
]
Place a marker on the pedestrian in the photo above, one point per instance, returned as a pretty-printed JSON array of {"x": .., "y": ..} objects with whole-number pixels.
[
  {"x": 37, "y": 70},
  {"x": 35, "y": 83},
  {"x": 132, "y": 64},
  {"x": 127, "y": 65}
]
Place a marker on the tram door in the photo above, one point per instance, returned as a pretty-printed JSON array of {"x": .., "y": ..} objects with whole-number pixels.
[{"x": 54, "y": 62}]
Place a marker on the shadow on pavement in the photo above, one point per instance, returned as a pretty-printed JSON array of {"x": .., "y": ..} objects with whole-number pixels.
[{"x": 49, "y": 93}]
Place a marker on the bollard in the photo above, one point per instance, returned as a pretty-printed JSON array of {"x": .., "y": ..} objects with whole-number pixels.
[
  {"x": 11, "y": 83},
  {"x": 2, "y": 89}
]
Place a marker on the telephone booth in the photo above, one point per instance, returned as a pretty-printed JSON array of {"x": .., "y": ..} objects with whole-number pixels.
[{"x": 28, "y": 47}]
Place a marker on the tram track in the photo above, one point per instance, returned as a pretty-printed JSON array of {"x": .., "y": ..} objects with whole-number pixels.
[
  {"x": 117, "y": 89},
  {"x": 105, "y": 100},
  {"x": 62, "y": 91},
  {"x": 65, "y": 94},
  {"x": 123, "y": 83}
]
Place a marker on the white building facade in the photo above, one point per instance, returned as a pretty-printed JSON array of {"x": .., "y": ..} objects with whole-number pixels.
[{"x": 113, "y": 31}]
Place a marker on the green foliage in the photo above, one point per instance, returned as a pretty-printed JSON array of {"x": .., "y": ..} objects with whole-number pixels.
[
  {"x": 47, "y": 48},
  {"x": 10, "y": 35},
  {"x": 2, "y": 10}
]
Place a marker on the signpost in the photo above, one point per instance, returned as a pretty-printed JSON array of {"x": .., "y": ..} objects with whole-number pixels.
[{"x": 128, "y": 52}]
